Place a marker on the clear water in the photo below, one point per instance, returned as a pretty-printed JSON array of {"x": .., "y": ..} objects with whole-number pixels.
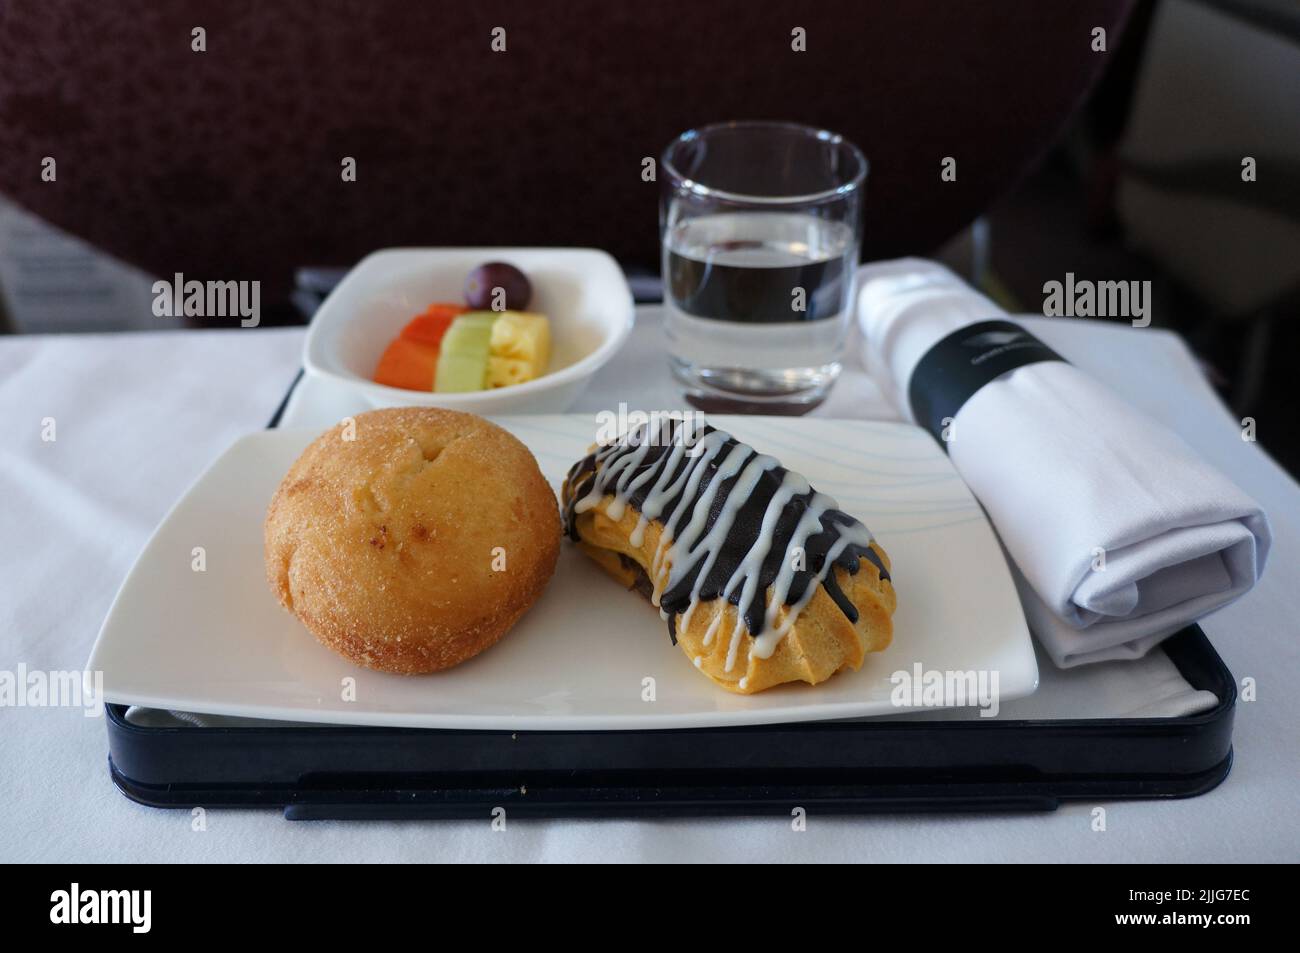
[{"x": 758, "y": 302}]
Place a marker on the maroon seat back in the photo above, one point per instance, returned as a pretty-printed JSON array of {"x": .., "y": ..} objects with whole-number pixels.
[{"x": 226, "y": 163}]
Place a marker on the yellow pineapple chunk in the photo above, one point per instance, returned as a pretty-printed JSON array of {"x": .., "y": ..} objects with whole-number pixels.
[
  {"x": 521, "y": 336},
  {"x": 504, "y": 371}
]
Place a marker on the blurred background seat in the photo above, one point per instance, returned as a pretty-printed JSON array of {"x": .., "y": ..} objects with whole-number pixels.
[{"x": 226, "y": 164}]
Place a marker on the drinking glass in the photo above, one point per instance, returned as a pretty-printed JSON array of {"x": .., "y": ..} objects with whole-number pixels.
[{"x": 761, "y": 224}]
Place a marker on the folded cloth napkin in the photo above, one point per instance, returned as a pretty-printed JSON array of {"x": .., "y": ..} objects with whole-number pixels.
[{"x": 1119, "y": 533}]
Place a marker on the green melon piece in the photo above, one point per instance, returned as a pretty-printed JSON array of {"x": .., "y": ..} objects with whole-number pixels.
[{"x": 463, "y": 353}]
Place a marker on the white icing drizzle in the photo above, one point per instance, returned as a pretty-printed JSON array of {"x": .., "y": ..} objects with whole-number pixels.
[{"x": 685, "y": 542}]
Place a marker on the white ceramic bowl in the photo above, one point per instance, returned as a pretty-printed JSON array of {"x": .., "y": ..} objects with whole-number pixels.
[{"x": 582, "y": 291}]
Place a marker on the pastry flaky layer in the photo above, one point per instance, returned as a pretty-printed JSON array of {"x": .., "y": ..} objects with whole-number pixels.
[{"x": 822, "y": 641}]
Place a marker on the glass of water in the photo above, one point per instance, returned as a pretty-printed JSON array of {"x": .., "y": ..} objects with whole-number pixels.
[{"x": 761, "y": 223}]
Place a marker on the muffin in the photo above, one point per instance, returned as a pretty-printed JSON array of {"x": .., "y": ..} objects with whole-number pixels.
[{"x": 411, "y": 539}]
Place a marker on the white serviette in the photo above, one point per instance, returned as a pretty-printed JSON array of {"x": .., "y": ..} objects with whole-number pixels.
[{"x": 1074, "y": 480}]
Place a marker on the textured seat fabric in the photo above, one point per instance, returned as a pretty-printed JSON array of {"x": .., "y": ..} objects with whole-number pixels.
[{"x": 226, "y": 164}]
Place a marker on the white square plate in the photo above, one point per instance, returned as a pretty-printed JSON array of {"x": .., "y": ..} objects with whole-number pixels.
[{"x": 218, "y": 642}]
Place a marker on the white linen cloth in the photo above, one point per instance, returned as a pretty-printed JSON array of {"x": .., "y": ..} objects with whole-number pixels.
[
  {"x": 141, "y": 415},
  {"x": 1120, "y": 533}
]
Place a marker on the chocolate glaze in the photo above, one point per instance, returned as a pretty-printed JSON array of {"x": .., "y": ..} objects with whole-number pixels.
[
  {"x": 640, "y": 578},
  {"x": 744, "y": 532}
]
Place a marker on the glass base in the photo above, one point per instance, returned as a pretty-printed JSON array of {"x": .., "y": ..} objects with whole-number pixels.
[{"x": 739, "y": 390}]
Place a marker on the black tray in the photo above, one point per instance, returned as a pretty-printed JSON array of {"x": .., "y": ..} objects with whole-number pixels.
[{"x": 842, "y": 767}]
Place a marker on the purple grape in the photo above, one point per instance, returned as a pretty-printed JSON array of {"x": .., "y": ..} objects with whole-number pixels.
[{"x": 481, "y": 285}]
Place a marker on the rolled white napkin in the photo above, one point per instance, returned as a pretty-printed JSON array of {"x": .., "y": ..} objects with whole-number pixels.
[{"x": 1073, "y": 479}]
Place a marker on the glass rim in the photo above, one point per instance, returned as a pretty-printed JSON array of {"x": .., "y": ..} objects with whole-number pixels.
[{"x": 851, "y": 185}]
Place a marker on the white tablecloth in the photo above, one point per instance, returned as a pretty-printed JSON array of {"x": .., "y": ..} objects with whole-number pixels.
[{"x": 139, "y": 416}]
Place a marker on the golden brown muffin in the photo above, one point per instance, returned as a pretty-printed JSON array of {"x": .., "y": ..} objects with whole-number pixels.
[
  {"x": 416, "y": 545},
  {"x": 829, "y": 634}
]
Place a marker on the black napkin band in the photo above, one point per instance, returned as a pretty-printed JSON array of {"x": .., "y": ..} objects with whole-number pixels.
[{"x": 964, "y": 361}]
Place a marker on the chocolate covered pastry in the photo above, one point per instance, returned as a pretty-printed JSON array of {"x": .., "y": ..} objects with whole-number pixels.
[{"x": 761, "y": 578}]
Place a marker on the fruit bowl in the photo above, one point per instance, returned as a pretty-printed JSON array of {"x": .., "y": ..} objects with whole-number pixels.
[{"x": 581, "y": 290}]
